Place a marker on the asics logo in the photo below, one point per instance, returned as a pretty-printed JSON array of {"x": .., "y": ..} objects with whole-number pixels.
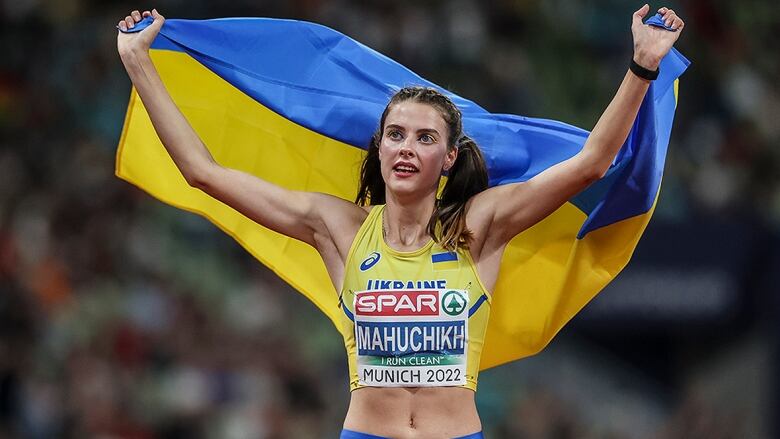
[{"x": 370, "y": 261}]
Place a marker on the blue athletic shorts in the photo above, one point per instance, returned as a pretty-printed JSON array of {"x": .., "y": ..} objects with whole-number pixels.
[{"x": 349, "y": 434}]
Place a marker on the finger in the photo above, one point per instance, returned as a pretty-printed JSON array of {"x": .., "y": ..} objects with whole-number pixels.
[
  {"x": 146, "y": 14},
  {"x": 663, "y": 10},
  {"x": 640, "y": 14},
  {"x": 136, "y": 15},
  {"x": 678, "y": 23},
  {"x": 122, "y": 25},
  {"x": 669, "y": 17},
  {"x": 158, "y": 22},
  {"x": 130, "y": 22}
]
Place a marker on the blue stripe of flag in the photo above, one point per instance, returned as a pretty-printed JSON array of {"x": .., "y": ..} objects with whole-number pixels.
[{"x": 444, "y": 257}]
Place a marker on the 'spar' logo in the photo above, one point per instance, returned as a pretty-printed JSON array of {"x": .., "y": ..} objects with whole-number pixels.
[
  {"x": 370, "y": 261},
  {"x": 397, "y": 303},
  {"x": 453, "y": 302}
]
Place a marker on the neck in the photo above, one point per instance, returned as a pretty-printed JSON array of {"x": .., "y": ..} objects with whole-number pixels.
[{"x": 406, "y": 221}]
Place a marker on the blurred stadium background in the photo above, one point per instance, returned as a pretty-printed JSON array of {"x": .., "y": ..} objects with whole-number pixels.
[{"x": 121, "y": 317}]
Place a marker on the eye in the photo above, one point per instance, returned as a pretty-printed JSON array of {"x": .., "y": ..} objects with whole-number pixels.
[
  {"x": 427, "y": 138},
  {"x": 394, "y": 135}
]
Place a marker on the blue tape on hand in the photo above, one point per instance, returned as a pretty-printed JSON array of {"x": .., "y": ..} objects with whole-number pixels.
[
  {"x": 141, "y": 25},
  {"x": 658, "y": 21}
]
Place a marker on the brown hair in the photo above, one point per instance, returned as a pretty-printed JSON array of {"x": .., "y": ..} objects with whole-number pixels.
[{"x": 467, "y": 177}]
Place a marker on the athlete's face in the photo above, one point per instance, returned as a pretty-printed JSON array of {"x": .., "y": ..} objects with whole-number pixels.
[{"x": 413, "y": 150}]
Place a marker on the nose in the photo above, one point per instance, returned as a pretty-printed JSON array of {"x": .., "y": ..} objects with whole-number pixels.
[{"x": 406, "y": 148}]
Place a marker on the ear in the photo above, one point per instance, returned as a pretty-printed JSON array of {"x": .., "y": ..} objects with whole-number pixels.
[{"x": 449, "y": 159}]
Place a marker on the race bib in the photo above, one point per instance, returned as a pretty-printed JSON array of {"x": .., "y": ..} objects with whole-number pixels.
[{"x": 411, "y": 338}]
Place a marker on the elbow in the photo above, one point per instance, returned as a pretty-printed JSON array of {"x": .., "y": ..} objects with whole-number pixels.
[
  {"x": 196, "y": 182},
  {"x": 198, "y": 178},
  {"x": 597, "y": 174},
  {"x": 593, "y": 174},
  {"x": 592, "y": 168}
]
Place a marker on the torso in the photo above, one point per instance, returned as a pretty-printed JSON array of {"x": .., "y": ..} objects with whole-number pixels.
[{"x": 415, "y": 412}]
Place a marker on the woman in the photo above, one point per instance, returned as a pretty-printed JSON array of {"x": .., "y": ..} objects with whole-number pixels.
[{"x": 414, "y": 273}]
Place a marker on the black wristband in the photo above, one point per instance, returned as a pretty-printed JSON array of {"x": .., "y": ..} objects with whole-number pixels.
[{"x": 643, "y": 72}]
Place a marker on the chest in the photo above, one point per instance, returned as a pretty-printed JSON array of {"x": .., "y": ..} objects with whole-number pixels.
[{"x": 378, "y": 270}]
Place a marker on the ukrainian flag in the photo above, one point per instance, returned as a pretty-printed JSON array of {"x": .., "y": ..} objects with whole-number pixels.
[
  {"x": 444, "y": 261},
  {"x": 296, "y": 103}
]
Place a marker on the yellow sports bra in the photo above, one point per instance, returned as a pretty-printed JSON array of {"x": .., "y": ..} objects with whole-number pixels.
[{"x": 411, "y": 319}]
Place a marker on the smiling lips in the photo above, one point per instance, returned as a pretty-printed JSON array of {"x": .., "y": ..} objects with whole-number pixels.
[{"x": 404, "y": 169}]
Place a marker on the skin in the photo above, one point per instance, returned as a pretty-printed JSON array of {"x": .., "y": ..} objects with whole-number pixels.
[{"x": 414, "y": 133}]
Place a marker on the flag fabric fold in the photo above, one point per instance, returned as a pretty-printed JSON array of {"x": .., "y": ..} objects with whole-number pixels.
[{"x": 296, "y": 103}]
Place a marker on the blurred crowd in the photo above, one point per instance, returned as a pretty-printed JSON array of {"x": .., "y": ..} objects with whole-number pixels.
[{"x": 121, "y": 317}]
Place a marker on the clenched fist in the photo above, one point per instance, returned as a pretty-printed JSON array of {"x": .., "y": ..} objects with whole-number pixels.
[
  {"x": 652, "y": 43},
  {"x": 130, "y": 43}
]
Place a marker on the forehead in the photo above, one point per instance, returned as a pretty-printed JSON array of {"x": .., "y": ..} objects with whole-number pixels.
[{"x": 415, "y": 116}]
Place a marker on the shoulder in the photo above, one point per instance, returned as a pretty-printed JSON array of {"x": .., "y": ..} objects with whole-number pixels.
[{"x": 336, "y": 211}]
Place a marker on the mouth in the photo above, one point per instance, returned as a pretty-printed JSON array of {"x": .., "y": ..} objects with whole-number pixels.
[{"x": 405, "y": 169}]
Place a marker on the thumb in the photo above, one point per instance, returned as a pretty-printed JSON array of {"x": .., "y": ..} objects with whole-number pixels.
[
  {"x": 158, "y": 19},
  {"x": 640, "y": 14}
]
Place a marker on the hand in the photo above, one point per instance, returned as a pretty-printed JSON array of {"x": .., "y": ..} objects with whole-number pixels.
[
  {"x": 652, "y": 43},
  {"x": 130, "y": 43}
]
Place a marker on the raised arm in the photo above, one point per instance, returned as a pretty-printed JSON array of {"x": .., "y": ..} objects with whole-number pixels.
[
  {"x": 307, "y": 216},
  {"x": 504, "y": 211}
]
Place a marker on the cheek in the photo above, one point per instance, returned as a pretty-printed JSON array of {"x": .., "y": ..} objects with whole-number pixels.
[
  {"x": 385, "y": 162},
  {"x": 386, "y": 151},
  {"x": 434, "y": 162},
  {"x": 383, "y": 155},
  {"x": 435, "y": 156}
]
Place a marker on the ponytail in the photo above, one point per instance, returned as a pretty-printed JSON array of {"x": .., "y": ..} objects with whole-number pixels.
[
  {"x": 372, "y": 187},
  {"x": 467, "y": 177}
]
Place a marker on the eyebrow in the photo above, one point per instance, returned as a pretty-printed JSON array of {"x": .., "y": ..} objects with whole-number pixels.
[{"x": 421, "y": 130}]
